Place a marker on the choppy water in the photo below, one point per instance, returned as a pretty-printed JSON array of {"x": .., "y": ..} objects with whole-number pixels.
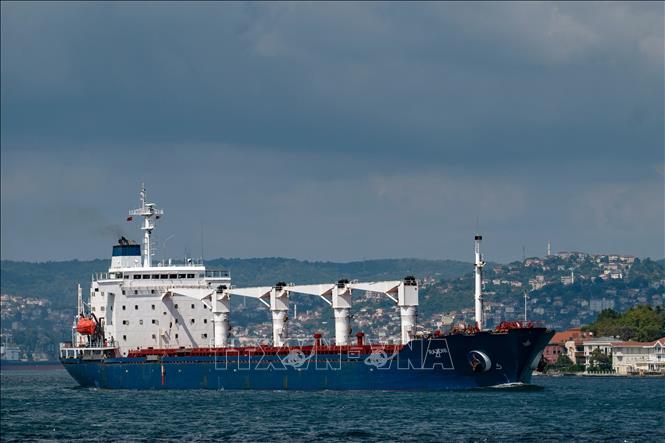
[{"x": 48, "y": 405}]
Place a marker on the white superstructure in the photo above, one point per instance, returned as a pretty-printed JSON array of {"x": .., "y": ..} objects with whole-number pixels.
[{"x": 165, "y": 306}]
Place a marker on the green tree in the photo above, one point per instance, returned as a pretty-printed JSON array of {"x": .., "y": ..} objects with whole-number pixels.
[{"x": 599, "y": 361}]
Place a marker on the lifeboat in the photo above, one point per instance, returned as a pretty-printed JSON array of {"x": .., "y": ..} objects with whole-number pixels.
[{"x": 86, "y": 326}]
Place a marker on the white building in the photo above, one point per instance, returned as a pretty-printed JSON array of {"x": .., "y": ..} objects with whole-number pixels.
[
  {"x": 638, "y": 358},
  {"x": 602, "y": 343}
]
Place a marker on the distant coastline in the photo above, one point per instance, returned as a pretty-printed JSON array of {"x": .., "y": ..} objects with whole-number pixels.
[{"x": 12, "y": 365}]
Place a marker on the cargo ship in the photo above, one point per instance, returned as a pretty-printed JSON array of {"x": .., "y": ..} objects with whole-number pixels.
[{"x": 166, "y": 326}]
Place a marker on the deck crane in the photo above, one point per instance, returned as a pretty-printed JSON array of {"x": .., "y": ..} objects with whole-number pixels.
[
  {"x": 405, "y": 294},
  {"x": 338, "y": 296},
  {"x": 276, "y": 298}
]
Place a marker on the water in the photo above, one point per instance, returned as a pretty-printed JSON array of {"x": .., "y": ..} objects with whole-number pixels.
[{"x": 48, "y": 405}]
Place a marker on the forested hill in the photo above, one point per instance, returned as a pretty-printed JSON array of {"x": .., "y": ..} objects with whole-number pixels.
[{"x": 56, "y": 281}]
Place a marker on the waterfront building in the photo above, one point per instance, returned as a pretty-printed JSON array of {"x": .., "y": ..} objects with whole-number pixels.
[
  {"x": 604, "y": 344},
  {"x": 570, "y": 343},
  {"x": 631, "y": 357},
  {"x": 557, "y": 345}
]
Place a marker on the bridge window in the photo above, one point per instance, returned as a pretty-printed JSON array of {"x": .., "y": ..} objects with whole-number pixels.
[
  {"x": 190, "y": 275},
  {"x": 181, "y": 275},
  {"x": 163, "y": 276},
  {"x": 146, "y": 277},
  {"x": 173, "y": 276},
  {"x": 137, "y": 277},
  {"x": 155, "y": 276}
]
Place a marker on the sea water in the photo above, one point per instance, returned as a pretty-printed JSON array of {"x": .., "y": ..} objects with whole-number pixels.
[{"x": 48, "y": 405}]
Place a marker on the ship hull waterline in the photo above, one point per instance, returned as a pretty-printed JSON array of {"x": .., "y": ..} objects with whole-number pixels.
[{"x": 427, "y": 364}]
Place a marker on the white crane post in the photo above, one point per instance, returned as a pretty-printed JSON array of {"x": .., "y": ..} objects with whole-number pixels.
[
  {"x": 404, "y": 294},
  {"x": 407, "y": 300},
  {"x": 220, "y": 316},
  {"x": 277, "y": 300},
  {"x": 338, "y": 296},
  {"x": 279, "y": 308},
  {"x": 341, "y": 304},
  {"x": 478, "y": 295}
]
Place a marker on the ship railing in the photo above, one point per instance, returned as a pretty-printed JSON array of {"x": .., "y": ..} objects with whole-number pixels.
[
  {"x": 68, "y": 350},
  {"x": 209, "y": 274}
]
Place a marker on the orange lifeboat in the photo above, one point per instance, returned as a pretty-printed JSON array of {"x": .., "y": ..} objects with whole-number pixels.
[{"x": 86, "y": 326}]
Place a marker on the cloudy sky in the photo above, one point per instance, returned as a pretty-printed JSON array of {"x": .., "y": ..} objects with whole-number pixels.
[{"x": 336, "y": 131}]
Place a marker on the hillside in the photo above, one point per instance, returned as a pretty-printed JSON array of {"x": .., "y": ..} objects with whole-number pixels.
[
  {"x": 56, "y": 281},
  {"x": 564, "y": 290}
]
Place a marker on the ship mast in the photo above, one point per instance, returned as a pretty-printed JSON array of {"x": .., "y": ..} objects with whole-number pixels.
[
  {"x": 149, "y": 214},
  {"x": 478, "y": 295}
]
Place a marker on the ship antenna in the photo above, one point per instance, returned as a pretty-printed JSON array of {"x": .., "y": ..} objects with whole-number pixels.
[{"x": 149, "y": 214}]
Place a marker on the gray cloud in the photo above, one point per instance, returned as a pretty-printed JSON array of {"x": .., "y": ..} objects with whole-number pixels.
[{"x": 336, "y": 130}]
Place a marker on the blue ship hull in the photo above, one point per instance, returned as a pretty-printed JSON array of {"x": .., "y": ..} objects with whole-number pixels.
[{"x": 456, "y": 361}]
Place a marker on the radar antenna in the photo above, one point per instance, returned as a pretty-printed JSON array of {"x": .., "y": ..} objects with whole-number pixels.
[{"x": 149, "y": 214}]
